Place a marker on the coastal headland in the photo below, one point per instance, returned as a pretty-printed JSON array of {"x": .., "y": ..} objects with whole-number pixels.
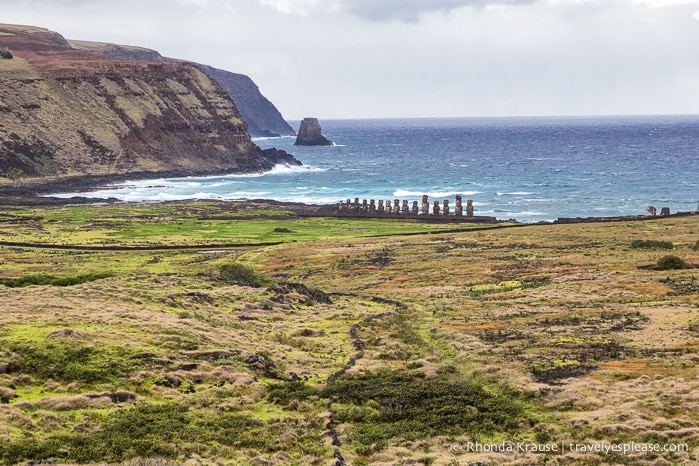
[{"x": 70, "y": 110}]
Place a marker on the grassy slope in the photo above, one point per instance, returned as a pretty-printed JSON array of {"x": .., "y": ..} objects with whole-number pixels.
[{"x": 541, "y": 333}]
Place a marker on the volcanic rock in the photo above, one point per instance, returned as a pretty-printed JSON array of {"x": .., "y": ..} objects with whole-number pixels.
[{"x": 310, "y": 134}]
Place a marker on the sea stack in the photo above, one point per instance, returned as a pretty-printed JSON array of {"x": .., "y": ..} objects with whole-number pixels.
[{"x": 310, "y": 134}]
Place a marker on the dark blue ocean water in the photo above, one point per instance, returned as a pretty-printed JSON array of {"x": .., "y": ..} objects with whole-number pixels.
[{"x": 530, "y": 169}]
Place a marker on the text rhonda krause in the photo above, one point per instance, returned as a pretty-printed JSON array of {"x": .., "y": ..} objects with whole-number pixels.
[{"x": 523, "y": 447}]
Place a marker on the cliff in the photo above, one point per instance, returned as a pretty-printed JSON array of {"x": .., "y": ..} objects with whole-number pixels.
[
  {"x": 262, "y": 117},
  {"x": 68, "y": 111}
]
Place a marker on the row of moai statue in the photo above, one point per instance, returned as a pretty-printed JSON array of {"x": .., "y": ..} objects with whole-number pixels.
[{"x": 397, "y": 208}]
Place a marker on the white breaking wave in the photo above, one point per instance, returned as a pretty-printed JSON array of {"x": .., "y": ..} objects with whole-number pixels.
[
  {"x": 527, "y": 213},
  {"x": 405, "y": 193},
  {"x": 287, "y": 169},
  {"x": 516, "y": 193},
  {"x": 272, "y": 138}
]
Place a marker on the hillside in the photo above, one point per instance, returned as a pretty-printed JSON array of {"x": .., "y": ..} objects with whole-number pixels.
[
  {"x": 240, "y": 334},
  {"x": 67, "y": 112}
]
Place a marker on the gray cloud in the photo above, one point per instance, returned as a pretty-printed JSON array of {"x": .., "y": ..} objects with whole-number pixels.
[
  {"x": 388, "y": 58},
  {"x": 410, "y": 10}
]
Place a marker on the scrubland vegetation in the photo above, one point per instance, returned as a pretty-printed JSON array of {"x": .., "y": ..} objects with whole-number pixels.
[{"x": 191, "y": 333}]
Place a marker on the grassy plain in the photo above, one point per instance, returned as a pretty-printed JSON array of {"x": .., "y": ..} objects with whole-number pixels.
[{"x": 356, "y": 341}]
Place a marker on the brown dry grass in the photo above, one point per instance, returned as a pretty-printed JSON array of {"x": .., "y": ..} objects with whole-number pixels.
[{"x": 594, "y": 302}]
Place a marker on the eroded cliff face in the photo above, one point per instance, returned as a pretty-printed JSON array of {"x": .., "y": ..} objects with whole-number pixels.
[
  {"x": 262, "y": 117},
  {"x": 67, "y": 112}
]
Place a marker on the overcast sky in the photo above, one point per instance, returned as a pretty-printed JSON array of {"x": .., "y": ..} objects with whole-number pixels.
[{"x": 415, "y": 58}]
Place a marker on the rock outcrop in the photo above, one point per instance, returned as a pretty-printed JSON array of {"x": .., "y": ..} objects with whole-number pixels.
[
  {"x": 310, "y": 134},
  {"x": 68, "y": 111}
]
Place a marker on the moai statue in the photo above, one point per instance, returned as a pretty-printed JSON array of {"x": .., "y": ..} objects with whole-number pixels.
[
  {"x": 435, "y": 209},
  {"x": 382, "y": 209},
  {"x": 425, "y": 205},
  {"x": 372, "y": 206},
  {"x": 340, "y": 207},
  {"x": 446, "y": 207},
  {"x": 396, "y": 206},
  {"x": 365, "y": 208},
  {"x": 469, "y": 208},
  {"x": 665, "y": 211},
  {"x": 348, "y": 206},
  {"x": 458, "y": 210},
  {"x": 389, "y": 208},
  {"x": 356, "y": 205},
  {"x": 406, "y": 209},
  {"x": 414, "y": 209}
]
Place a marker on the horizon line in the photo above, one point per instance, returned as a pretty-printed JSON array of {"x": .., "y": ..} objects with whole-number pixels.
[{"x": 504, "y": 117}]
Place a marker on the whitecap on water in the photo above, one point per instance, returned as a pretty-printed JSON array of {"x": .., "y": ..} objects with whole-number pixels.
[
  {"x": 439, "y": 194},
  {"x": 287, "y": 169}
]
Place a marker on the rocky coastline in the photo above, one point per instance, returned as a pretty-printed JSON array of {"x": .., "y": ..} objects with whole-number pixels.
[{"x": 37, "y": 191}]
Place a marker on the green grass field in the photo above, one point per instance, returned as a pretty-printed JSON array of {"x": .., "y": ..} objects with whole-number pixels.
[{"x": 186, "y": 224}]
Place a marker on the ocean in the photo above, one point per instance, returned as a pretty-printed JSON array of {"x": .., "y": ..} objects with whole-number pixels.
[{"x": 529, "y": 169}]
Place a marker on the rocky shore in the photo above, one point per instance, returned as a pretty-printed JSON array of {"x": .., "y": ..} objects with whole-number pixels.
[{"x": 37, "y": 192}]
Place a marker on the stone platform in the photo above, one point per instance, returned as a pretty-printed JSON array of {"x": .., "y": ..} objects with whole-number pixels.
[{"x": 398, "y": 208}]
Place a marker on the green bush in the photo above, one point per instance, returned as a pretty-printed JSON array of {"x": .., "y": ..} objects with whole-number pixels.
[
  {"x": 651, "y": 244},
  {"x": 149, "y": 430},
  {"x": 241, "y": 274},
  {"x": 412, "y": 408},
  {"x": 53, "y": 280},
  {"x": 69, "y": 362},
  {"x": 672, "y": 263},
  {"x": 286, "y": 393}
]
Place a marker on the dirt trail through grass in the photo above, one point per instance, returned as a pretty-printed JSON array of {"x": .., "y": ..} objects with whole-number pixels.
[{"x": 358, "y": 345}]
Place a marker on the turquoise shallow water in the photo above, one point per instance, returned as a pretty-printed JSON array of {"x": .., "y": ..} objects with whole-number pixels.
[{"x": 530, "y": 169}]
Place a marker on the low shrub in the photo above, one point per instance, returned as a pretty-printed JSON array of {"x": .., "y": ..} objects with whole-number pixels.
[
  {"x": 286, "y": 393},
  {"x": 241, "y": 274},
  {"x": 381, "y": 258},
  {"x": 69, "y": 362},
  {"x": 651, "y": 244},
  {"x": 672, "y": 263},
  {"x": 409, "y": 407},
  {"x": 53, "y": 280},
  {"x": 149, "y": 430}
]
